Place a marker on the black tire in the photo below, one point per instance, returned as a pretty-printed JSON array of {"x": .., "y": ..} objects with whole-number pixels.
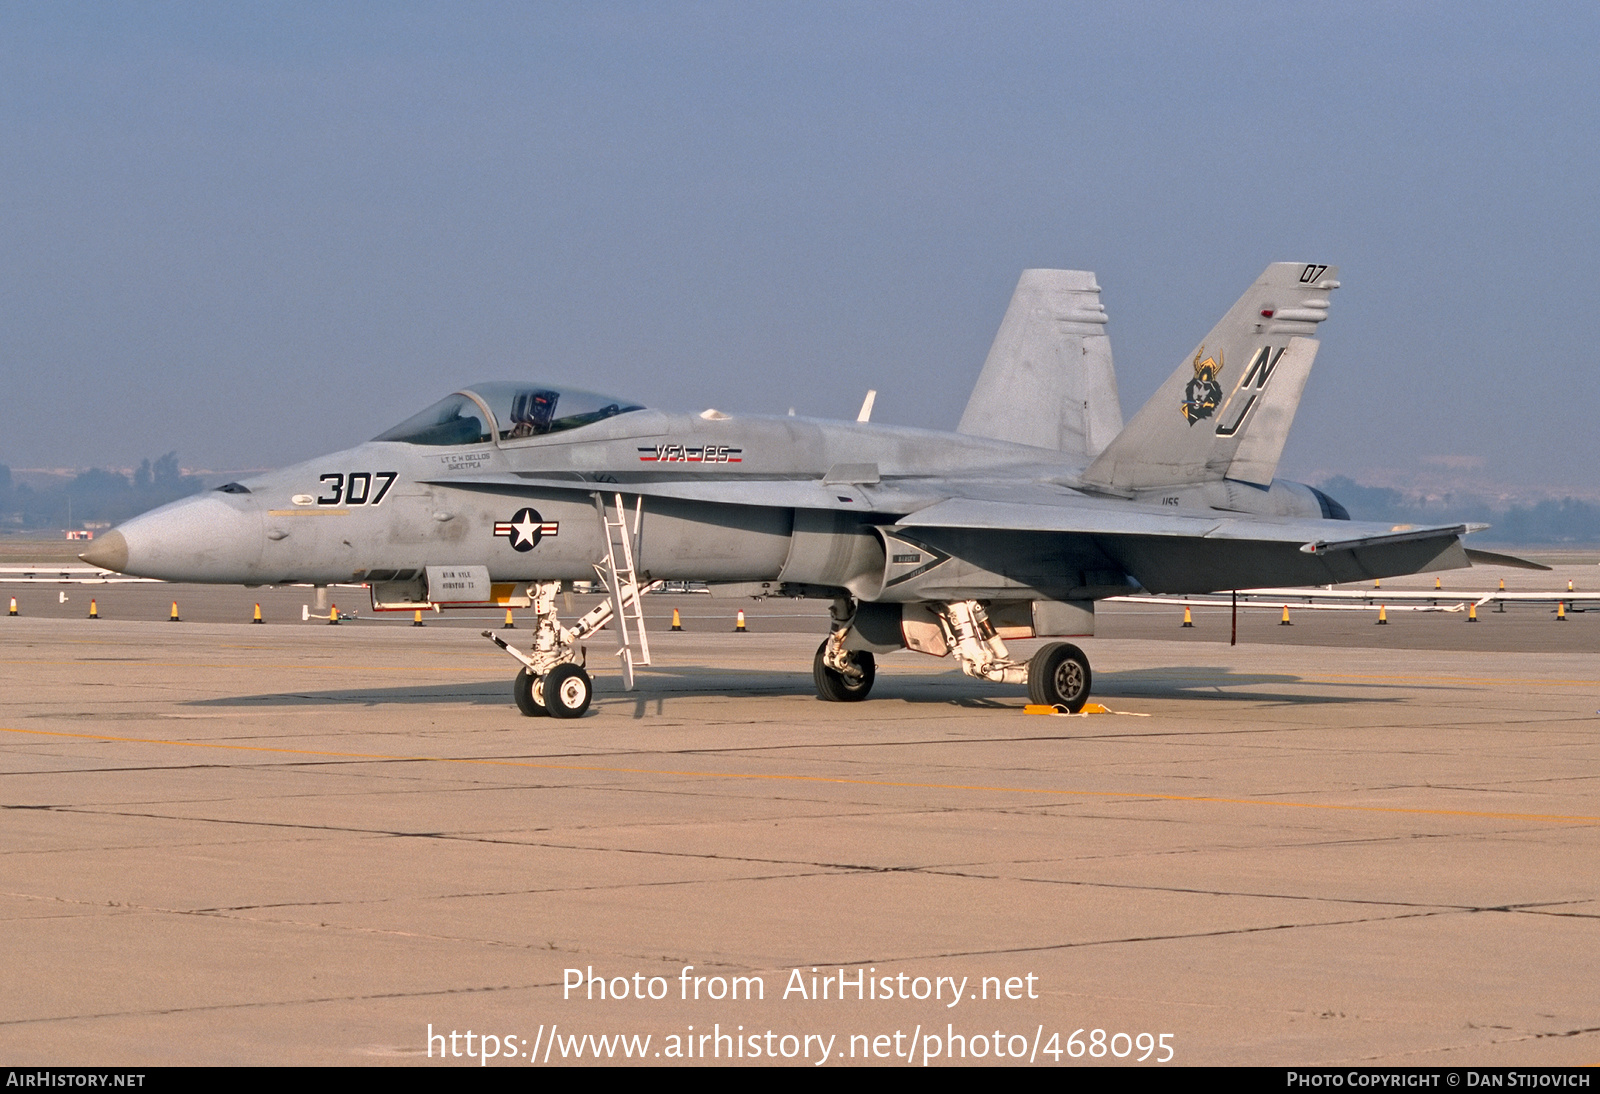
[
  {"x": 567, "y": 691},
  {"x": 1058, "y": 675},
  {"x": 529, "y": 695},
  {"x": 834, "y": 687}
]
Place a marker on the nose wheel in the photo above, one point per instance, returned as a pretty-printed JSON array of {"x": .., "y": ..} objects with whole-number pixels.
[
  {"x": 563, "y": 692},
  {"x": 529, "y": 692}
]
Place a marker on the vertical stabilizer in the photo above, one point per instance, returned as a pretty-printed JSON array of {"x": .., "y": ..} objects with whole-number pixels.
[
  {"x": 1226, "y": 412},
  {"x": 1048, "y": 379}
]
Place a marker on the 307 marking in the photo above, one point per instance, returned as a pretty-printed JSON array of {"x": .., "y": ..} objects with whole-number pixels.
[{"x": 356, "y": 488}]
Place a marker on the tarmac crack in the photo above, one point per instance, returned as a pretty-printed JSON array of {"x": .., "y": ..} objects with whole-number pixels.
[
  {"x": 1536, "y": 908},
  {"x": 547, "y": 845},
  {"x": 1134, "y": 939},
  {"x": 160, "y": 1012}
]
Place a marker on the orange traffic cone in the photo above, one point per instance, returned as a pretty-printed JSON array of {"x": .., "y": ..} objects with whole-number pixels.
[
  {"x": 333, "y": 616},
  {"x": 1284, "y": 622},
  {"x": 94, "y": 609},
  {"x": 416, "y": 619},
  {"x": 173, "y": 618},
  {"x": 510, "y": 623},
  {"x": 257, "y": 617},
  {"x": 677, "y": 624},
  {"x": 1383, "y": 616},
  {"x": 1472, "y": 613},
  {"x": 738, "y": 624}
]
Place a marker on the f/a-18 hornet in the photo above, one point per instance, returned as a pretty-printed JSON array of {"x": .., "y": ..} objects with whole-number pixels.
[{"x": 1040, "y": 504}]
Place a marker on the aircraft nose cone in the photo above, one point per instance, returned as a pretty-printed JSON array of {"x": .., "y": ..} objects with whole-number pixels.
[
  {"x": 205, "y": 538},
  {"x": 110, "y": 552}
]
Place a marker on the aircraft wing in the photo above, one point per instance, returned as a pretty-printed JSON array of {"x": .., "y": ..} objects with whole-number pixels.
[
  {"x": 1188, "y": 551},
  {"x": 1165, "y": 550},
  {"x": 961, "y": 504},
  {"x": 1094, "y": 516}
]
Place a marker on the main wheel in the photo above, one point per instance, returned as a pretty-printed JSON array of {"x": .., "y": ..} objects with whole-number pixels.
[
  {"x": 567, "y": 691},
  {"x": 1058, "y": 675},
  {"x": 834, "y": 686},
  {"x": 530, "y": 694}
]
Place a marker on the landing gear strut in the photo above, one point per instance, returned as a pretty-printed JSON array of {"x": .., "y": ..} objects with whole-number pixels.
[
  {"x": 1058, "y": 675},
  {"x": 841, "y": 675},
  {"x": 553, "y": 680}
]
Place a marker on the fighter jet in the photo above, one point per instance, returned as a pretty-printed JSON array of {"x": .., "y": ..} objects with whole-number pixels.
[{"x": 949, "y": 544}]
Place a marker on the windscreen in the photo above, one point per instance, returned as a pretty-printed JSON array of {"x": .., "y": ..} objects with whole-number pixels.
[{"x": 454, "y": 420}]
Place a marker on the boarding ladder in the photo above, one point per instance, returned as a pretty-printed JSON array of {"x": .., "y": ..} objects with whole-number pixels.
[{"x": 622, "y": 582}]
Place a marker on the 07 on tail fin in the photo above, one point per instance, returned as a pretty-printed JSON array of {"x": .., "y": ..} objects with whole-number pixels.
[
  {"x": 1048, "y": 380},
  {"x": 1226, "y": 412}
]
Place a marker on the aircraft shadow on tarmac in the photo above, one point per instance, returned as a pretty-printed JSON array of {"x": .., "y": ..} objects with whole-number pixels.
[
  {"x": 1189, "y": 682},
  {"x": 1192, "y": 682}
]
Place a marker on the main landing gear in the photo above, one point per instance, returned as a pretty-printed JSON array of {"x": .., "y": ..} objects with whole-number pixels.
[
  {"x": 847, "y": 683},
  {"x": 1057, "y": 675}
]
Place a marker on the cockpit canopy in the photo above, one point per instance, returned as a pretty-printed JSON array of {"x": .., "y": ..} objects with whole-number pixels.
[{"x": 505, "y": 411}]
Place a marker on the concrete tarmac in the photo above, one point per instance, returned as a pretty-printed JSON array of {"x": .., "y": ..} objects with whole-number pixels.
[{"x": 305, "y": 844}]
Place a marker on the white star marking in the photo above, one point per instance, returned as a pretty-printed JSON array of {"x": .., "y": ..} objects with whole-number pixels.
[{"x": 525, "y": 529}]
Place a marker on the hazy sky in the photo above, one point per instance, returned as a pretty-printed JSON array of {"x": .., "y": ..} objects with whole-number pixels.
[{"x": 255, "y": 233}]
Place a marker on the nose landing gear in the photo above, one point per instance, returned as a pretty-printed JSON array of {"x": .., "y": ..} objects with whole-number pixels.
[
  {"x": 553, "y": 680},
  {"x": 563, "y": 692}
]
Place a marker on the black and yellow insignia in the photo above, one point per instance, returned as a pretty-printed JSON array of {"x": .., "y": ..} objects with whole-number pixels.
[{"x": 1202, "y": 394}]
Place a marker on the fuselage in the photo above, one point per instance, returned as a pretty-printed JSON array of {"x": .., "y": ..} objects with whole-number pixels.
[
  {"x": 711, "y": 497},
  {"x": 390, "y": 506}
]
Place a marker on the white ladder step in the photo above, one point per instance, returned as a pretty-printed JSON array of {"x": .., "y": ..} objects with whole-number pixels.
[{"x": 621, "y": 580}]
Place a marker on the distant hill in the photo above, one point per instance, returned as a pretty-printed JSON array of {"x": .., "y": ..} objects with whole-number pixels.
[
  {"x": 1548, "y": 522},
  {"x": 93, "y": 496}
]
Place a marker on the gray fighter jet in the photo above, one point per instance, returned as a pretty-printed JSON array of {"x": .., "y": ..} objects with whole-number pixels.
[{"x": 950, "y": 544}]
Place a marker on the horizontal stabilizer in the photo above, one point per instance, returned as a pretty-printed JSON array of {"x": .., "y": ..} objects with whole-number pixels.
[
  {"x": 1319, "y": 547},
  {"x": 1048, "y": 380},
  {"x": 1226, "y": 411},
  {"x": 1490, "y": 558}
]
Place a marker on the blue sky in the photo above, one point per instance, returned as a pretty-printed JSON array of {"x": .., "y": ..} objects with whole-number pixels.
[{"x": 255, "y": 233}]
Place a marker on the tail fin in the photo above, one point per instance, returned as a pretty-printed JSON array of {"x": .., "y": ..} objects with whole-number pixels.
[
  {"x": 1048, "y": 379},
  {"x": 1226, "y": 412}
]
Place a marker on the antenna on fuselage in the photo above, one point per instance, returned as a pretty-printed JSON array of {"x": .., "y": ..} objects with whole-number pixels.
[{"x": 866, "y": 406}]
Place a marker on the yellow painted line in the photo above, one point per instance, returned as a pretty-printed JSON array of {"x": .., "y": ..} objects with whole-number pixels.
[
  {"x": 296, "y": 666},
  {"x": 1222, "y": 681},
  {"x": 1553, "y": 818},
  {"x": 1454, "y": 680}
]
